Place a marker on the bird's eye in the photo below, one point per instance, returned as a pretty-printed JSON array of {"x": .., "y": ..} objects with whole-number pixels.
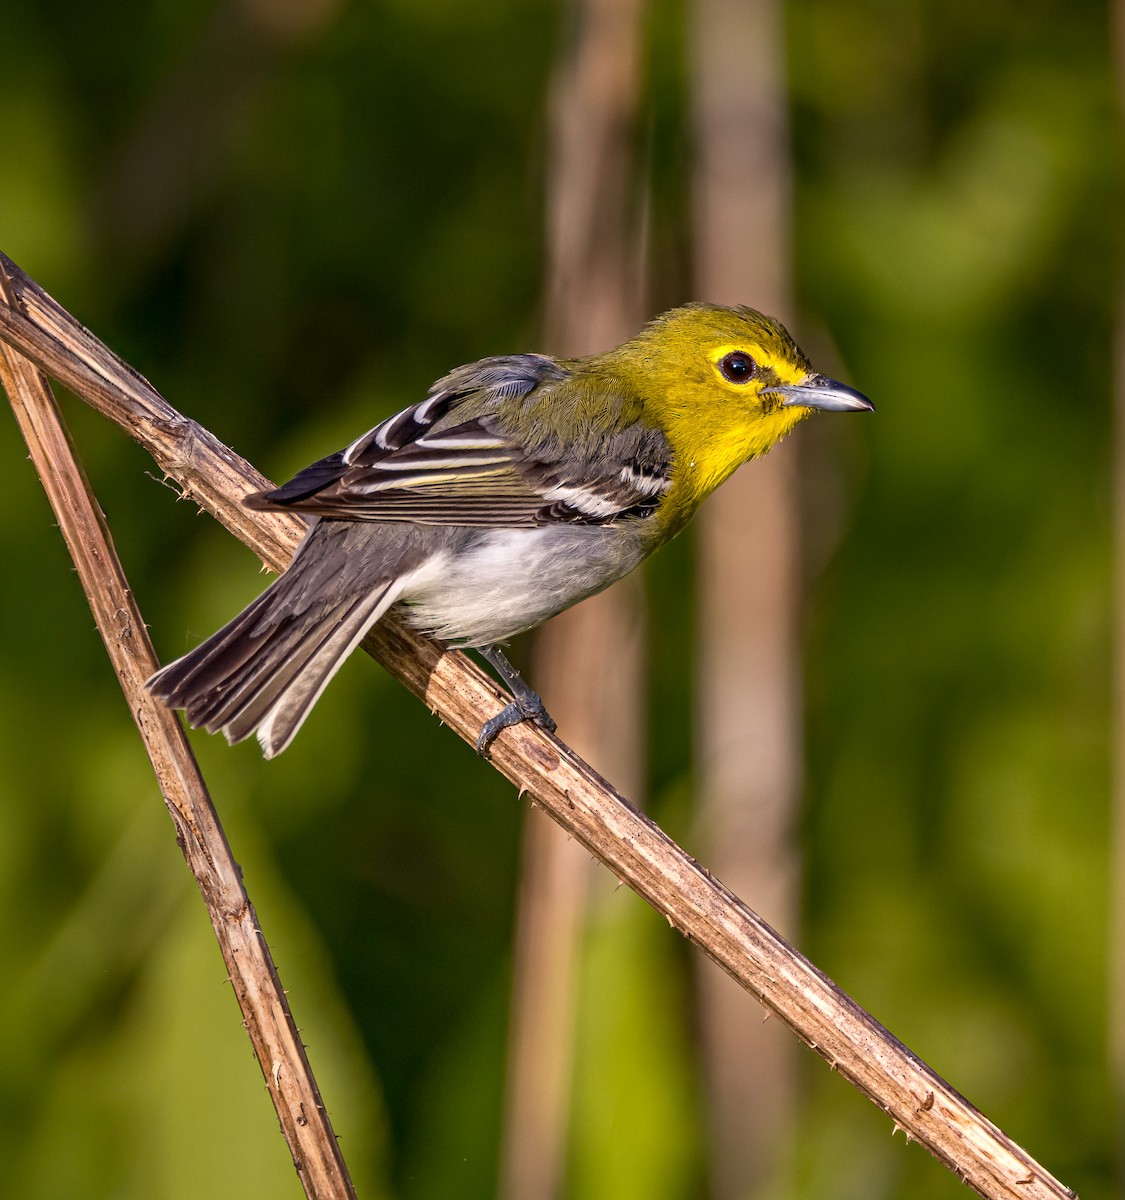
[{"x": 737, "y": 367}]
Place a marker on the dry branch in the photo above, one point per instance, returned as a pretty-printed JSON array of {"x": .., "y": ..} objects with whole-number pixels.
[
  {"x": 277, "y": 1043},
  {"x": 627, "y": 842}
]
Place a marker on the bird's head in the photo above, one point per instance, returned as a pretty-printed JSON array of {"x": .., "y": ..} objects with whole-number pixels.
[{"x": 724, "y": 384}]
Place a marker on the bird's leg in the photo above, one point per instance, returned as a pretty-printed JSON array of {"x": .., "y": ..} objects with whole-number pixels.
[{"x": 525, "y": 706}]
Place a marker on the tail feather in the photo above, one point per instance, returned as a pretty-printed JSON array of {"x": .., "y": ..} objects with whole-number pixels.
[
  {"x": 293, "y": 704},
  {"x": 243, "y": 709},
  {"x": 246, "y": 672},
  {"x": 266, "y": 669},
  {"x": 204, "y": 683}
]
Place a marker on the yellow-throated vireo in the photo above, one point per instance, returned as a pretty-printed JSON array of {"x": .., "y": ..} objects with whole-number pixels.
[{"x": 519, "y": 486}]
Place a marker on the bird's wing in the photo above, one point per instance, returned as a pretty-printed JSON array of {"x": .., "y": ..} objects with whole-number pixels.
[{"x": 454, "y": 460}]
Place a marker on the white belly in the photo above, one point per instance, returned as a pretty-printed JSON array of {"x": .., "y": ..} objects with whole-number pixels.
[{"x": 501, "y": 582}]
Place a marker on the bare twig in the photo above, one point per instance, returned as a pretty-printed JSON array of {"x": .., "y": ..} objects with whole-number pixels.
[
  {"x": 631, "y": 846},
  {"x": 276, "y": 1040}
]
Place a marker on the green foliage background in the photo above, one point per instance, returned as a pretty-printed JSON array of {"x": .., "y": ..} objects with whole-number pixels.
[{"x": 292, "y": 231}]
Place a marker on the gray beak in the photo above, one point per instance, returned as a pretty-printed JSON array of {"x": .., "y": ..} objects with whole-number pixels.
[{"x": 818, "y": 391}]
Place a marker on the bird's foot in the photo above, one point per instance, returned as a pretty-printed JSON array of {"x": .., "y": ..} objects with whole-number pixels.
[
  {"x": 525, "y": 706},
  {"x": 513, "y": 715}
]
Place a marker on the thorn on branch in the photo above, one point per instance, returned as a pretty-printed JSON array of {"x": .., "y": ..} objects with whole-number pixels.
[{"x": 171, "y": 484}]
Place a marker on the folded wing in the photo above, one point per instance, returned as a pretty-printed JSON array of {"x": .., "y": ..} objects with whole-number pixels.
[{"x": 454, "y": 459}]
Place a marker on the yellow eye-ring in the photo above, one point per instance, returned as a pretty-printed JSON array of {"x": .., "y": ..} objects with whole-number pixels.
[{"x": 737, "y": 367}]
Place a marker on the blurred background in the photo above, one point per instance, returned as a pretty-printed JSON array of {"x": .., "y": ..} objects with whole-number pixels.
[{"x": 872, "y": 688}]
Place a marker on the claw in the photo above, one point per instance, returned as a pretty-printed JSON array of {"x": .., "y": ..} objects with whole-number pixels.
[
  {"x": 525, "y": 706},
  {"x": 506, "y": 718}
]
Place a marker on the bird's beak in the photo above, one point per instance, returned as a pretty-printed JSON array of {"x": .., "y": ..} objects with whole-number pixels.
[{"x": 818, "y": 391}]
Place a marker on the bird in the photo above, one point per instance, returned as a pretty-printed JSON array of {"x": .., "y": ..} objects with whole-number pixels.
[{"x": 520, "y": 485}]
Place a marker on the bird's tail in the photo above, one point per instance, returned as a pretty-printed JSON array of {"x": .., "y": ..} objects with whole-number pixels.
[{"x": 266, "y": 669}]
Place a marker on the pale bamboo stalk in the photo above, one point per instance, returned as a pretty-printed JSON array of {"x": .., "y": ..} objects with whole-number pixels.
[
  {"x": 281, "y": 1055},
  {"x": 589, "y": 660},
  {"x": 748, "y": 724},
  {"x": 1116, "y": 1006},
  {"x": 542, "y": 767}
]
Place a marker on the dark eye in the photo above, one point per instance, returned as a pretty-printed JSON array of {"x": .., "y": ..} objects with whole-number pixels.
[{"x": 737, "y": 367}]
